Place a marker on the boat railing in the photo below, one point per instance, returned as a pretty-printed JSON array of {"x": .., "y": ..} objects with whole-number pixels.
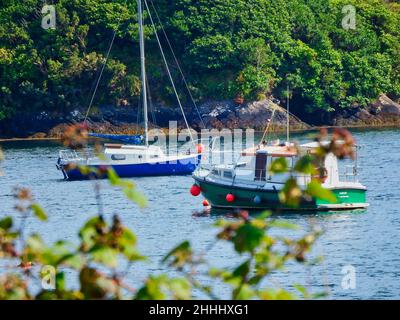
[
  {"x": 73, "y": 155},
  {"x": 350, "y": 173}
]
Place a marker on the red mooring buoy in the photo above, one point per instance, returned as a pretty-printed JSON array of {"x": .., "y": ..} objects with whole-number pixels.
[
  {"x": 200, "y": 148},
  {"x": 230, "y": 197},
  {"x": 205, "y": 203},
  {"x": 195, "y": 190}
]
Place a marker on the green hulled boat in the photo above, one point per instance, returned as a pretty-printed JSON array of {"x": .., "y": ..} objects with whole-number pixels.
[{"x": 247, "y": 184}]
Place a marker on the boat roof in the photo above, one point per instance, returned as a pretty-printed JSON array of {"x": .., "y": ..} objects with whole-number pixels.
[
  {"x": 275, "y": 151},
  {"x": 290, "y": 150},
  {"x": 131, "y": 149}
]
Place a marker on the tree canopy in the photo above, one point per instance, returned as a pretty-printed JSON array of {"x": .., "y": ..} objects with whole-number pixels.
[{"x": 227, "y": 48}]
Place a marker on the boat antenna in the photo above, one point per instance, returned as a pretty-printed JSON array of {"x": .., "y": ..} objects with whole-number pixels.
[
  {"x": 143, "y": 72},
  {"x": 168, "y": 71},
  {"x": 287, "y": 116}
]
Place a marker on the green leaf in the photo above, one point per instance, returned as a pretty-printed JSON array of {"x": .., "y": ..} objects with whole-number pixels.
[
  {"x": 264, "y": 215},
  {"x": 88, "y": 232},
  {"x": 283, "y": 225},
  {"x": 243, "y": 292},
  {"x": 105, "y": 255},
  {"x": 39, "y": 212},
  {"x": 6, "y": 223},
  {"x": 135, "y": 196},
  {"x": 305, "y": 165},
  {"x": 180, "y": 288},
  {"x": 153, "y": 289},
  {"x": 181, "y": 254},
  {"x": 113, "y": 177},
  {"x": 60, "y": 281},
  {"x": 74, "y": 260},
  {"x": 277, "y": 294},
  {"x": 302, "y": 290},
  {"x": 314, "y": 189},
  {"x": 247, "y": 238},
  {"x": 291, "y": 194},
  {"x": 278, "y": 166},
  {"x": 243, "y": 270},
  {"x": 35, "y": 246}
]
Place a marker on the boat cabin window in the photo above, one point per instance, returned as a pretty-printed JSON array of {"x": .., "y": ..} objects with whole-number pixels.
[
  {"x": 228, "y": 174},
  {"x": 118, "y": 157},
  {"x": 215, "y": 172},
  {"x": 154, "y": 156}
]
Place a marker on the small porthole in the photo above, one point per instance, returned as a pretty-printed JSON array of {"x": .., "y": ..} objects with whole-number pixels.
[{"x": 118, "y": 157}]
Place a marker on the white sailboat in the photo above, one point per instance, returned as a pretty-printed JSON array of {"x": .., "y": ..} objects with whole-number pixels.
[{"x": 133, "y": 160}]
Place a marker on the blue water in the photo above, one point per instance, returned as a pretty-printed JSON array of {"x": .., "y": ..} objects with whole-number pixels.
[{"x": 367, "y": 240}]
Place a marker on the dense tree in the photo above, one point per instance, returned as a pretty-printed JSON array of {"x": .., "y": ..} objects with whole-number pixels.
[{"x": 227, "y": 48}]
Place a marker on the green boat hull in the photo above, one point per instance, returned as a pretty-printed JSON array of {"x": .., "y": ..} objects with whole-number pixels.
[{"x": 246, "y": 198}]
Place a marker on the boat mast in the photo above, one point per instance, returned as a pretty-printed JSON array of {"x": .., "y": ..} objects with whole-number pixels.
[
  {"x": 287, "y": 116},
  {"x": 143, "y": 71}
]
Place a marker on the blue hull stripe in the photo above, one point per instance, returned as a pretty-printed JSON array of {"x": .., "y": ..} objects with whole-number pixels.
[{"x": 183, "y": 167}]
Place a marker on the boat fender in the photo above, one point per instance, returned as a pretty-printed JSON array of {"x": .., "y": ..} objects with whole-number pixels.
[
  {"x": 195, "y": 190},
  {"x": 257, "y": 199},
  {"x": 205, "y": 203},
  {"x": 230, "y": 197}
]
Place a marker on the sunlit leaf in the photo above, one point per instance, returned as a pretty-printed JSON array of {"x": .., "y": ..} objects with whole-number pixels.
[
  {"x": 314, "y": 189},
  {"x": 181, "y": 254},
  {"x": 305, "y": 165},
  {"x": 283, "y": 225},
  {"x": 180, "y": 289},
  {"x": 106, "y": 256},
  {"x": 112, "y": 176},
  {"x": 277, "y": 294},
  {"x": 243, "y": 292},
  {"x": 278, "y": 166},
  {"x": 39, "y": 212},
  {"x": 291, "y": 193},
  {"x": 136, "y": 197}
]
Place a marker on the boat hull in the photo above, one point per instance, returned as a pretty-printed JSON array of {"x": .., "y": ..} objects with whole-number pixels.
[
  {"x": 176, "y": 167},
  {"x": 262, "y": 199}
]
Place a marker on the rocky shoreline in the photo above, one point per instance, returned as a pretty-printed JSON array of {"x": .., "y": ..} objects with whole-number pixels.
[{"x": 216, "y": 114}]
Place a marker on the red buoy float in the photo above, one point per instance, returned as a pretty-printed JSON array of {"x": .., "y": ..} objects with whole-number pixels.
[
  {"x": 195, "y": 190},
  {"x": 230, "y": 197},
  {"x": 200, "y": 148},
  {"x": 206, "y": 203}
]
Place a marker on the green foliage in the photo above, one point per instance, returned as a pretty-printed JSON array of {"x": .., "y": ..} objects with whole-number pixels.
[{"x": 228, "y": 47}]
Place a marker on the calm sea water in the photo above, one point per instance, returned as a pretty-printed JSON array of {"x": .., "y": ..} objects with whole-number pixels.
[{"x": 367, "y": 240}]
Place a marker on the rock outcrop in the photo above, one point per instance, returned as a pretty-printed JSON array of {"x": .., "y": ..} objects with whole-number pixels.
[
  {"x": 382, "y": 112},
  {"x": 256, "y": 115}
]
